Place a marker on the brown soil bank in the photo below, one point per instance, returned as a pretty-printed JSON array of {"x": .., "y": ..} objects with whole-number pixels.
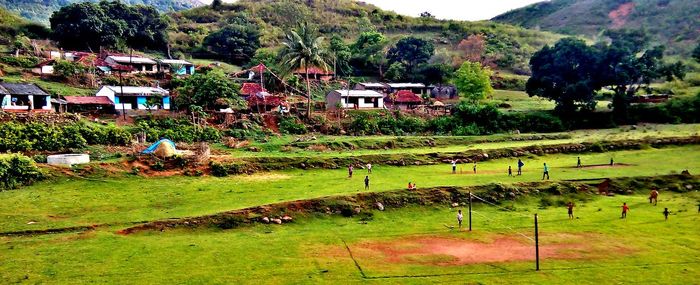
[
  {"x": 363, "y": 203},
  {"x": 255, "y": 164}
]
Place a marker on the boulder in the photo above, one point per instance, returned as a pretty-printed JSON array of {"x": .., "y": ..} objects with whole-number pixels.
[
  {"x": 286, "y": 219},
  {"x": 266, "y": 220},
  {"x": 379, "y": 206},
  {"x": 277, "y": 221}
]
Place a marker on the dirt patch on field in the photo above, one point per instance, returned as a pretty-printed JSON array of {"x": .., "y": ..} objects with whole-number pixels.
[
  {"x": 449, "y": 251},
  {"x": 619, "y": 16}
]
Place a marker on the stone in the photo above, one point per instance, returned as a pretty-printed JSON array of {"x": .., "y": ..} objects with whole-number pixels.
[
  {"x": 266, "y": 220},
  {"x": 277, "y": 221},
  {"x": 287, "y": 219},
  {"x": 455, "y": 204},
  {"x": 379, "y": 206}
]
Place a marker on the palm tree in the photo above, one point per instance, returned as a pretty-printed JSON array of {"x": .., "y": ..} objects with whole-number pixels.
[{"x": 304, "y": 49}]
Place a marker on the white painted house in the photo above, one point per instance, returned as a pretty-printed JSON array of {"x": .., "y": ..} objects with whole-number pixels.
[
  {"x": 134, "y": 97},
  {"x": 354, "y": 99},
  {"x": 24, "y": 97},
  {"x": 138, "y": 63}
]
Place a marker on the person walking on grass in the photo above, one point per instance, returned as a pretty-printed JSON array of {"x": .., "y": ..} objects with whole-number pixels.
[
  {"x": 625, "y": 209},
  {"x": 666, "y": 212},
  {"x": 520, "y": 167},
  {"x": 350, "y": 171},
  {"x": 570, "y": 207},
  {"x": 612, "y": 162},
  {"x": 546, "y": 171},
  {"x": 578, "y": 162},
  {"x": 510, "y": 171},
  {"x": 369, "y": 168},
  {"x": 474, "y": 167},
  {"x": 366, "y": 182},
  {"x": 459, "y": 218},
  {"x": 454, "y": 166},
  {"x": 654, "y": 196}
]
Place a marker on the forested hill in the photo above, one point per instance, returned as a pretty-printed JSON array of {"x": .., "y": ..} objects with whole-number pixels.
[
  {"x": 674, "y": 23},
  {"x": 40, "y": 10}
]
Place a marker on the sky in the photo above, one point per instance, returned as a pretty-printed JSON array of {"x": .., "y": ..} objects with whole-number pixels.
[{"x": 471, "y": 10}]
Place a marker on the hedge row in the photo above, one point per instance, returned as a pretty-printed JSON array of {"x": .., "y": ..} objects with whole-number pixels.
[{"x": 18, "y": 137}]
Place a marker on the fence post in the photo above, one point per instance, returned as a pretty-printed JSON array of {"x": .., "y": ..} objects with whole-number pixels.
[
  {"x": 470, "y": 211},
  {"x": 537, "y": 246}
]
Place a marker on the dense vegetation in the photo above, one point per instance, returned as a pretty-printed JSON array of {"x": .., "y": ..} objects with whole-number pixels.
[
  {"x": 671, "y": 22},
  {"x": 114, "y": 25},
  {"x": 12, "y": 26},
  {"x": 17, "y": 170},
  {"x": 40, "y": 11},
  {"x": 38, "y": 136}
]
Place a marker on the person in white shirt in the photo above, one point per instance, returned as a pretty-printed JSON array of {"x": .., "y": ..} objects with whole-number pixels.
[
  {"x": 454, "y": 166},
  {"x": 369, "y": 168},
  {"x": 459, "y": 218}
]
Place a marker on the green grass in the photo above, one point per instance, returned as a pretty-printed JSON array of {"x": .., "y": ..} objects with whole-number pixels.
[
  {"x": 519, "y": 101},
  {"x": 273, "y": 147},
  {"x": 642, "y": 249},
  {"x": 225, "y": 67},
  {"x": 68, "y": 202}
]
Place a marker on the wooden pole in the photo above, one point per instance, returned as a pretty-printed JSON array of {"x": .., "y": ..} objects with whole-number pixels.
[
  {"x": 470, "y": 211},
  {"x": 537, "y": 246}
]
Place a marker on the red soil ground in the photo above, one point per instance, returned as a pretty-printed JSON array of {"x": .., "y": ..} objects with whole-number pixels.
[{"x": 619, "y": 15}]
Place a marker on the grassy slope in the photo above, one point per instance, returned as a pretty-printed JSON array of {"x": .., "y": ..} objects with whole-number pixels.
[
  {"x": 71, "y": 202},
  {"x": 312, "y": 251},
  {"x": 52, "y": 87},
  {"x": 672, "y": 23},
  {"x": 275, "y": 144}
]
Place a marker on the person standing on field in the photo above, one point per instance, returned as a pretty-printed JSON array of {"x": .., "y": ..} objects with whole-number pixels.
[
  {"x": 578, "y": 162},
  {"x": 625, "y": 209},
  {"x": 369, "y": 168},
  {"x": 546, "y": 171},
  {"x": 570, "y": 208},
  {"x": 454, "y": 166},
  {"x": 459, "y": 218},
  {"x": 367, "y": 182},
  {"x": 666, "y": 212},
  {"x": 474, "y": 167},
  {"x": 350, "y": 171},
  {"x": 520, "y": 167},
  {"x": 510, "y": 171}
]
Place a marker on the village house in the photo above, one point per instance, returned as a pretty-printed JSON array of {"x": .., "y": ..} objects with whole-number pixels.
[
  {"x": 354, "y": 99},
  {"x": 136, "y": 63},
  {"x": 135, "y": 97},
  {"x": 92, "y": 104},
  {"x": 405, "y": 100},
  {"x": 24, "y": 97},
  {"x": 315, "y": 73},
  {"x": 176, "y": 66},
  {"x": 374, "y": 86},
  {"x": 44, "y": 68},
  {"x": 416, "y": 88}
]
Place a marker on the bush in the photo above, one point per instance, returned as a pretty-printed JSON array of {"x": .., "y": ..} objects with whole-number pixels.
[
  {"x": 44, "y": 137},
  {"x": 17, "y": 170},
  {"x": 289, "y": 125},
  {"x": 179, "y": 130},
  {"x": 21, "y": 61}
]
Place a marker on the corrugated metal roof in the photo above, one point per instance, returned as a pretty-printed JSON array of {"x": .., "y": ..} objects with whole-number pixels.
[
  {"x": 406, "y": 85},
  {"x": 23, "y": 89},
  {"x": 88, "y": 100},
  {"x": 175, "y": 61},
  {"x": 137, "y": 90},
  {"x": 373, "y": 84},
  {"x": 132, "y": 59}
]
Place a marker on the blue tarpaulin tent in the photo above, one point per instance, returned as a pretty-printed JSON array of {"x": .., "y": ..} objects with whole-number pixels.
[{"x": 151, "y": 149}]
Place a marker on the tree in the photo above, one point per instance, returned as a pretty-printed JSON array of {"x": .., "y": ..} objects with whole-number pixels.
[
  {"x": 473, "y": 81},
  {"x": 206, "y": 89},
  {"x": 109, "y": 24},
  {"x": 565, "y": 74},
  {"x": 216, "y": 4},
  {"x": 303, "y": 49},
  {"x": 395, "y": 72},
  {"x": 473, "y": 49},
  {"x": 154, "y": 102},
  {"x": 624, "y": 71},
  {"x": 435, "y": 73},
  {"x": 368, "y": 53},
  {"x": 341, "y": 53},
  {"x": 696, "y": 53},
  {"x": 410, "y": 52},
  {"x": 234, "y": 43}
]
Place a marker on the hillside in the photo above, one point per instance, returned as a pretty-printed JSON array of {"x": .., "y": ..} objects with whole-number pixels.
[
  {"x": 673, "y": 23},
  {"x": 349, "y": 18},
  {"x": 12, "y": 25},
  {"x": 41, "y": 10}
]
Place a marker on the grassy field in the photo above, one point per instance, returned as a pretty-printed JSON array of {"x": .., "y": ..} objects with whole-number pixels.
[
  {"x": 519, "y": 101},
  {"x": 597, "y": 247},
  {"x": 275, "y": 145},
  {"x": 66, "y": 202}
]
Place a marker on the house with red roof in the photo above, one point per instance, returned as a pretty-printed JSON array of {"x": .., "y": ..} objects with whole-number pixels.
[
  {"x": 251, "y": 89},
  {"x": 405, "y": 100},
  {"x": 315, "y": 73},
  {"x": 79, "y": 104}
]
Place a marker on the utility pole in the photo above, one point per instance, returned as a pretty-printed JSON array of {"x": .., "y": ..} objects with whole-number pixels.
[
  {"x": 470, "y": 211},
  {"x": 537, "y": 246}
]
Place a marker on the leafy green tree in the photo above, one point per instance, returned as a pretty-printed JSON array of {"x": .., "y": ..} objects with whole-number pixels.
[
  {"x": 109, "y": 24},
  {"x": 395, "y": 72},
  {"x": 565, "y": 74},
  {"x": 216, "y": 4},
  {"x": 410, "y": 52},
  {"x": 154, "y": 102},
  {"x": 67, "y": 69},
  {"x": 368, "y": 53},
  {"x": 473, "y": 81},
  {"x": 435, "y": 73},
  {"x": 234, "y": 43},
  {"x": 696, "y": 53},
  {"x": 303, "y": 49},
  {"x": 624, "y": 71},
  {"x": 208, "y": 90},
  {"x": 341, "y": 56}
]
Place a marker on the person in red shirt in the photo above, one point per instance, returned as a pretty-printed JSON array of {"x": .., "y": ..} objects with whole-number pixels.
[
  {"x": 570, "y": 207},
  {"x": 625, "y": 209}
]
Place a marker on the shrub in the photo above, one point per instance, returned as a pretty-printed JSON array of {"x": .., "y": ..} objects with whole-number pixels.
[
  {"x": 17, "y": 170},
  {"x": 21, "y": 61},
  {"x": 45, "y": 137},
  {"x": 289, "y": 125}
]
